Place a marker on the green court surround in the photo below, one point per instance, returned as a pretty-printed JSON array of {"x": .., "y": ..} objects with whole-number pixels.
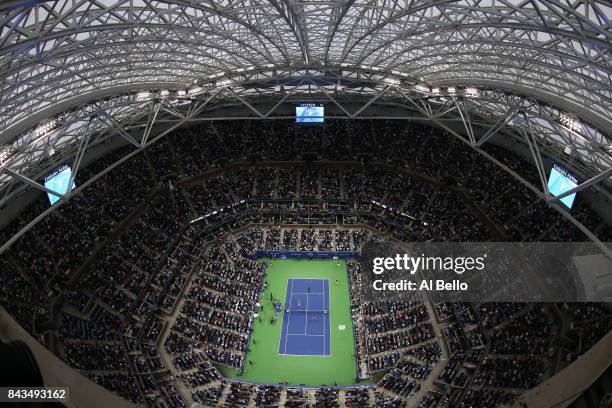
[{"x": 270, "y": 367}]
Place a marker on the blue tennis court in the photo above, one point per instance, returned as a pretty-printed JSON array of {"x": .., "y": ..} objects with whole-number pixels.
[{"x": 306, "y": 322}]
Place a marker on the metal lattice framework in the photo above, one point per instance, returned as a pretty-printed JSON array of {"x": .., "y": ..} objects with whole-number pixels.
[{"x": 74, "y": 73}]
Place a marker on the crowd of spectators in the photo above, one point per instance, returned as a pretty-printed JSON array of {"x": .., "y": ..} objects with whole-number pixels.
[
  {"x": 496, "y": 349},
  {"x": 120, "y": 257}
]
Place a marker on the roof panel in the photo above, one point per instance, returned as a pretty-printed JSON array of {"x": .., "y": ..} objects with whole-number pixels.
[{"x": 559, "y": 48}]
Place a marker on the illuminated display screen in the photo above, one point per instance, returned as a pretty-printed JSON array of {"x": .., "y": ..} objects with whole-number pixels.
[
  {"x": 58, "y": 181},
  {"x": 309, "y": 113},
  {"x": 559, "y": 182}
]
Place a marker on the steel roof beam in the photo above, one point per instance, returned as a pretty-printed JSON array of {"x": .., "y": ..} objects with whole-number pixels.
[{"x": 607, "y": 174}]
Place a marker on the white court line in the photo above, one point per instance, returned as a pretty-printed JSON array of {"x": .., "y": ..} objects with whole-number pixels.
[
  {"x": 309, "y": 279},
  {"x": 288, "y": 316},
  {"x": 329, "y": 331},
  {"x": 325, "y": 320},
  {"x": 304, "y": 355},
  {"x": 287, "y": 334},
  {"x": 306, "y": 325}
]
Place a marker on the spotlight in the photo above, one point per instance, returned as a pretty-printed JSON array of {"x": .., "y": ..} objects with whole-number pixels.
[
  {"x": 471, "y": 91},
  {"x": 570, "y": 122},
  {"x": 195, "y": 90},
  {"x": 424, "y": 89},
  {"x": 4, "y": 154},
  {"x": 143, "y": 95},
  {"x": 391, "y": 81},
  {"x": 46, "y": 127}
]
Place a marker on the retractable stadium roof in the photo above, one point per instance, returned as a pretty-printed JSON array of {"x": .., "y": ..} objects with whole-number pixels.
[{"x": 74, "y": 73}]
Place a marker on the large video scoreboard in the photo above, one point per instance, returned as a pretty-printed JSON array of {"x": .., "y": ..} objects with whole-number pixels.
[
  {"x": 310, "y": 113},
  {"x": 559, "y": 182},
  {"x": 58, "y": 181}
]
